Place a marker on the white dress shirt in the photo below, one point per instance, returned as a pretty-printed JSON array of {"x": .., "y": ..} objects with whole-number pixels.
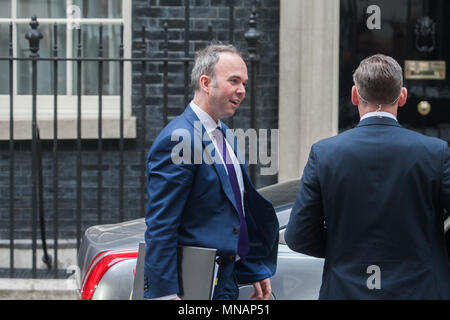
[{"x": 379, "y": 114}]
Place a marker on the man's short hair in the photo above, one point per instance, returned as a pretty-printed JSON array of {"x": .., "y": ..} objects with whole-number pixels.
[
  {"x": 206, "y": 59},
  {"x": 379, "y": 79}
]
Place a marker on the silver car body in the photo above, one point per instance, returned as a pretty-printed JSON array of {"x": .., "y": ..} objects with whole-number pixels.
[{"x": 298, "y": 276}]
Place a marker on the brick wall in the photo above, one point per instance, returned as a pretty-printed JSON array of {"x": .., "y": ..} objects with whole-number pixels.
[{"x": 151, "y": 14}]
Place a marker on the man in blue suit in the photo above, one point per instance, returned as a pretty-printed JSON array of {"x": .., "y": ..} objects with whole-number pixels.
[
  {"x": 200, "y": 194},
  {"x": 372, "y": 200}
]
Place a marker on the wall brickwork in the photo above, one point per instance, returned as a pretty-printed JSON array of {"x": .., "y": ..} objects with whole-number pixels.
[{"x": 151, "y": 14}]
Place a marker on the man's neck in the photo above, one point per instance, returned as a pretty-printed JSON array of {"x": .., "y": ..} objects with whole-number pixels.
[
  {"x": 202, "y": 104},
  {"x": 366, "y": 110},
  {"x": 379, "y": 114}
]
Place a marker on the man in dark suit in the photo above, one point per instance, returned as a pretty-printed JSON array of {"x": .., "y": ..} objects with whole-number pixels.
[
  {"x": 372, "y": 200},
  {"x": 200, "y": 193}
]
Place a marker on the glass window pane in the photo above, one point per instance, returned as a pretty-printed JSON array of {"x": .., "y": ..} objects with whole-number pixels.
[
  {"x": 6, "y": 8},
  {"x": 41, "y": 8},
  {"x": 4, "y": 64},
  {"x": 45, "y": 68},
  {"x": 90, "y": 48},
  {"x": 99, "y": 8}
]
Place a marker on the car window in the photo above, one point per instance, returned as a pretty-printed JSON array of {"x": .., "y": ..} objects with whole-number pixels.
[
  {"x": 281, "y": 194},
  {"x": 283, "y": 214}
]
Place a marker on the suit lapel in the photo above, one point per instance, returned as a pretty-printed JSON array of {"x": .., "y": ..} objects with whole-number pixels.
[
  {"x": 208, "y": 145},
  {"x": 232, "y": 140},
  {"x": 221, "y": 172}
]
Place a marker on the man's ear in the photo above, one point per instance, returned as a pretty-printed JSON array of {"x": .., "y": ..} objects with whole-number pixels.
[
  {"x": 355, "y": 98},
  {"x": 204, "y": 83},
  {"x": 403, "y": 97}
]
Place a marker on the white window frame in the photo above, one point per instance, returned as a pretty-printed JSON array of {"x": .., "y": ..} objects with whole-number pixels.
[{"x": 67, "y": 104}]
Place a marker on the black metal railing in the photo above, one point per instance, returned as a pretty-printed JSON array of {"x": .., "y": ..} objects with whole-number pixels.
[{"x": 140, "y": 145}]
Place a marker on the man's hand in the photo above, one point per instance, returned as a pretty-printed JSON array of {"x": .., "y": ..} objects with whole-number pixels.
[{"x": 262, "y": 290}]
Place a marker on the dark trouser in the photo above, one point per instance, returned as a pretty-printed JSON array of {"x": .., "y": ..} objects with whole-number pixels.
[{"x": 227, "y": 288}]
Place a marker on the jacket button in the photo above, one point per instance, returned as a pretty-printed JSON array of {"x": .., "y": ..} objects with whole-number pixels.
[{"x": 235, "y": 230}]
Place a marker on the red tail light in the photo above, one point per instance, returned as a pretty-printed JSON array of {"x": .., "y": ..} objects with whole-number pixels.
[{"x": 98, "y": 267}]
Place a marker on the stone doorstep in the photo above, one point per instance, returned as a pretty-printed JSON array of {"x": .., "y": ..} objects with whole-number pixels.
[
  {"x": 67, "y": 257},
  {"x": 38, "y": 289},
  {"x": 26, "y": 243},
  {"x": 37, "y": 295},
  {"x": 38, "y": 284}
]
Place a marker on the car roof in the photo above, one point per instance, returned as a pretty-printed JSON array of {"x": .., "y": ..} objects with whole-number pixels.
[{"x": 281, "y": 194}]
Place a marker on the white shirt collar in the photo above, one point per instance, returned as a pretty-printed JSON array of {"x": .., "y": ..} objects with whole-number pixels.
[
  {"x": 379, "y": 113},
  {"x": 206, "y": 120}
]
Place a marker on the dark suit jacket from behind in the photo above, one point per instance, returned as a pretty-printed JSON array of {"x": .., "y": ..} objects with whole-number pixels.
[
  {"x": 193, "y": 204},
  {"x": 375, "y": 196}
]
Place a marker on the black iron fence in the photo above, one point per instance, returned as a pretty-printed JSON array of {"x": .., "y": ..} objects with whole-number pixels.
[{"x": 141, "y": 144}]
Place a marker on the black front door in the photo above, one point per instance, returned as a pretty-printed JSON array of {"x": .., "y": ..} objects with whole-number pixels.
[{"x": 417, "y": 34}]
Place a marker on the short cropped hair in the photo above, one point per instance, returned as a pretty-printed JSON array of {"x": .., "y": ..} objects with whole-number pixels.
[
  {"x": 379, "y": 79},
  {"x": 205, "y": 61}
]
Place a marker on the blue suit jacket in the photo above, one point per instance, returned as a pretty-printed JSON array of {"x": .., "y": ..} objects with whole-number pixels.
[
  {"x": 193, "y": 204},
  {"x": 375, "y": 196}
]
